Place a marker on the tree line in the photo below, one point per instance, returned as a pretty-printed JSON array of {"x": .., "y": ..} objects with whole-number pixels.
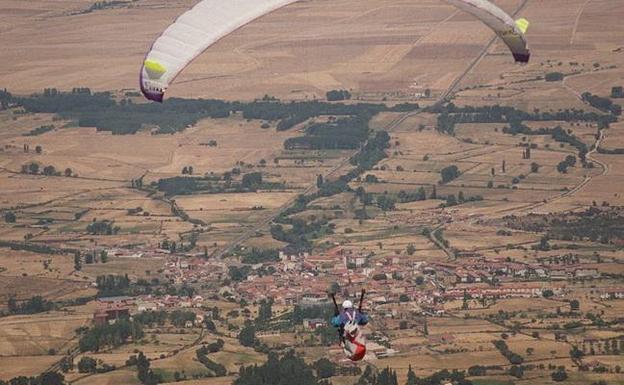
[
  {"x": 557, "y": 133},
  {"x": 110, "y": 335},
  {"x": 48, "y": 378},
  {"x": 33, "y": 305},
  {"x": 202, "y": 356},
  {"x": 451, "y": 115},
  {"x": 370, "y": 154},
  {"x": 101, "y": 110},
  {"x": 288, "y": 369},
  {"x": 601, "y": 103},
  {"x": 215, "y": 184}
]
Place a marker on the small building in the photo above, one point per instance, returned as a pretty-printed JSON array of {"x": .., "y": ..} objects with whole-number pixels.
[
  {"x": 612, "y": 293},
  {"x": 559, "y": 274},
  {"x": 587, "y": 272},
  {"x": 313, "y": 323},
  {"x": 146, "y": 306},
  {"x": 110, "y": 313}
]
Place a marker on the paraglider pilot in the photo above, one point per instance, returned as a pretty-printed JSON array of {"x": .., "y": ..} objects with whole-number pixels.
[{"x": 348, "y": 322}]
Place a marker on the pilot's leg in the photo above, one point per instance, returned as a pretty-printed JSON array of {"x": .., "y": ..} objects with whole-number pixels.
[{"x": 348, "y": 347}]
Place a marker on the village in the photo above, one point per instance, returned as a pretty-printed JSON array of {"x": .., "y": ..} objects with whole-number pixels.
[{"x": 308, "y": 278}]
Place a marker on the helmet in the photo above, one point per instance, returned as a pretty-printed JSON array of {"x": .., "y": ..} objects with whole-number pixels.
[{"x": 347, "y": 304}]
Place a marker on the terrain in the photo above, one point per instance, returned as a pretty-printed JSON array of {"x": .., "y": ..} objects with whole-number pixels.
[{"x": 456, "y": 195}]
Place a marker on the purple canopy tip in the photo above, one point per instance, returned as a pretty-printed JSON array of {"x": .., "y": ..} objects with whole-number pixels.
[
  {"x": 522, "y": 57},
  {"x": 154, "y": 96}
]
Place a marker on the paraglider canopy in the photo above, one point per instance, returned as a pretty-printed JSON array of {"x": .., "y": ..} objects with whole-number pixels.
[
  {"x": 210, "y": 20},
  {"x": 510, "y": 31}
]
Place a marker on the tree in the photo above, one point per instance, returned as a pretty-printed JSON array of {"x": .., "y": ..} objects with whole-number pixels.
[
  {"x": 559, "y": 375},
  {"x": 324, "y": 368},
  {"x": 247, "y": 336},
  {"x": 449, "y": 173},
  {"x": 289, "y": 369},
  {"x": 410, "y": 249},
  {"x": 66, "y": 364},
  {"x": 319, "y": 181},
  {"x": 370, "y": 178},
  {"x": 103, "y": 256},
  {"x": 547, "y": 293},
  {"x": 535, "y": 167},
  {"x": 9, "y": 217},
  {"x": 51, "y": 378},
  {"x": 143, "y": 366},
  {"x": 543, "y": 245},
  {"x": 411, "y": 376},
  {"x": 265, "y": 312},
  {"x": 554, "y": 76},
  {"x": 576, "y": 353},
  {"x": 12, "y": 305},
  {"x": 87, "y": 365},
  {"x": 477, "y": 370},
  {"x": 252, "y": 180},
  {"x": 49, "y": 170},
  {"x": 386, "y": 203},
  {"x": 68, "y": 172},
  {"x": 570, "y": 160},
  {"x": 38, "y": 149},
  {"x": 335, "y": 95},
  {"x": 516, "y": 371},
  {"x": 33, "y": 168},
  {"x": 77, "y": 262},
  {"x": 144, "y": 373},
  {"x": 387, "y": 377},
  {"x": 575, "y": 305},
  {"x": 209, "y": 324}
]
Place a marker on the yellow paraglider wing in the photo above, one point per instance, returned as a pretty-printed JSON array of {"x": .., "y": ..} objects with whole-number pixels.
[
  {"x": 154, "y": 69},
  {"x": 523, "y": 25}
]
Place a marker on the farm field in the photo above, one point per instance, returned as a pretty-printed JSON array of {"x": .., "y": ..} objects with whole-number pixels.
[{"x": 217, "y": 219}]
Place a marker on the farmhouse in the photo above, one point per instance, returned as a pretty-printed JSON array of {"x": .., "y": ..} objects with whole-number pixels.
[{"x": 112, "y": 308}]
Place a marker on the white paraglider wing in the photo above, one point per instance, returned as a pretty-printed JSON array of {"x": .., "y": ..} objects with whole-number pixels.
[
  {"x": 192, "y": 33},
  {"x": 510, "y": 31},
  {"x": 210, "y": 20}
]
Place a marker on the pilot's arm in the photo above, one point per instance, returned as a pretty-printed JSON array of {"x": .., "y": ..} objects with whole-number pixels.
[{"x": 336, "y": 321}]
